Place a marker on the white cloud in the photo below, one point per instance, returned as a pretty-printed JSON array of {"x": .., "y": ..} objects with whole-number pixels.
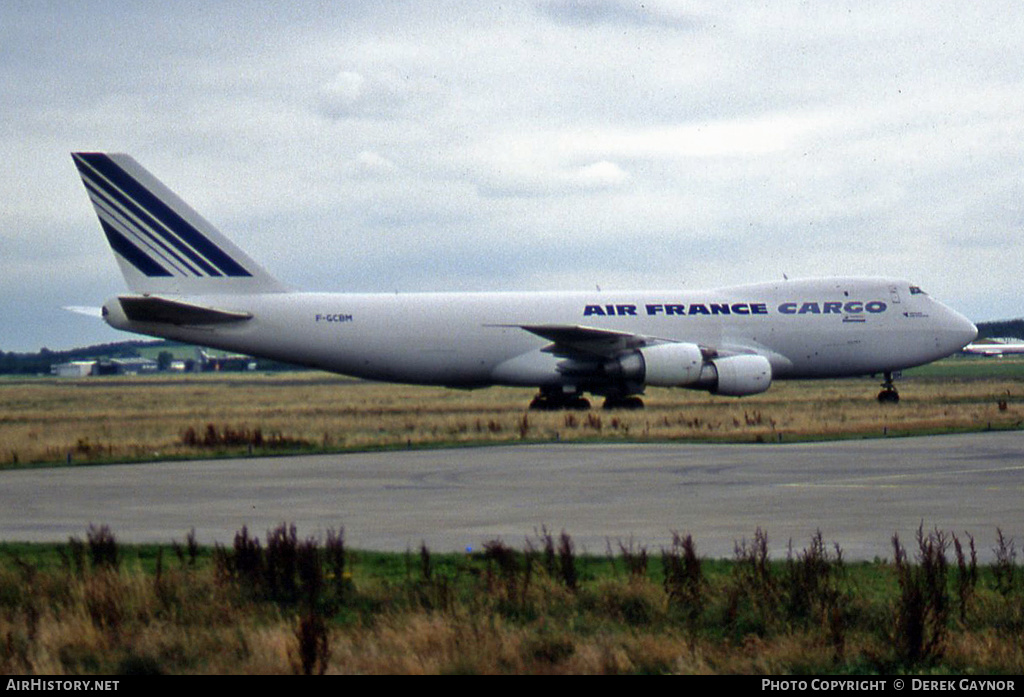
[
  {"x": 601, "y": 175},
  {"x": 351, "y": 94},
  {"x": 340, "y": 96},
  {"x": 370, "y": 164}
]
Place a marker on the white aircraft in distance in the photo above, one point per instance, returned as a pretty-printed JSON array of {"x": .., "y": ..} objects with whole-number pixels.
[
  {"x": 994, "y": 347},
  {"x": 190, "y": 283}
]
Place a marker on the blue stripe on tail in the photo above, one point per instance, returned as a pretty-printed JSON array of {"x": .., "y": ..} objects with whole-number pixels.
[
  {"x": 121, "y": 188},
  {"x": 135, "y": 256},
  {"x": 146, "y": 230}
]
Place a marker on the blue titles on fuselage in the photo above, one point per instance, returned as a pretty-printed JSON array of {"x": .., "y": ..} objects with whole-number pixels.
[
  {"x": 852, "y": 307},
  {"x": 707, "y": 309}
]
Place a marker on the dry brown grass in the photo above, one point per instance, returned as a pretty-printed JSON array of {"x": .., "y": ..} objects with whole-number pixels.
[
  {"x": 50, "y": 420},
  {"x": 119, "y": 621},
  {"x": 106, "y": 621},
  {"x": 95, "y": 608}
]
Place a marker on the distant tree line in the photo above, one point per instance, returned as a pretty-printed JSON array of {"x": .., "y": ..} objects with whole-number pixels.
[
  {"x": 1011, "y": 328},
  {"x": 14, "y": 363}
]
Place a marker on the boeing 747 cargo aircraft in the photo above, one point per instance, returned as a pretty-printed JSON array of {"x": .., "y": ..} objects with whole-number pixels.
[{"x": 189, "y": 283}]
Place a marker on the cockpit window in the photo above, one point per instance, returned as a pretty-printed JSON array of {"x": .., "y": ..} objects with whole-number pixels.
[{"x": 916, "y": 290}]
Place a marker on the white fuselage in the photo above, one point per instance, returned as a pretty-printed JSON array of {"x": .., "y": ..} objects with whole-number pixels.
[{"x": 806, "y": 329}]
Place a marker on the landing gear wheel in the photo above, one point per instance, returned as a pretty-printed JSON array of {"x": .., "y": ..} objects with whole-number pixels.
[
  {"x": 888, "y": 395},
  {"x": 630, "y": 403},
  {"x": 541, "y": 403},
  {"x": 556, "y": 401}
]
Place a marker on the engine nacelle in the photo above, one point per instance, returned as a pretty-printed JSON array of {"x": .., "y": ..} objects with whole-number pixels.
[
  {"x": 742, "y": 375},
  {"x": 663, "y": 365},
  {"x": 672, "y": 365}
]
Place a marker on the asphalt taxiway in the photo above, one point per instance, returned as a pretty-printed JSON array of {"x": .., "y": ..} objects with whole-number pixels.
[{"x": 857, "y": 493}]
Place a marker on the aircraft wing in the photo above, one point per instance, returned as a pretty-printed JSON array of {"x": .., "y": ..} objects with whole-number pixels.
[{"x": 572, "y": 340}]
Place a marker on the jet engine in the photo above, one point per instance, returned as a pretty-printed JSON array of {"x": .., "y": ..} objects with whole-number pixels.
[
  {"x": 683, "y": 365},
  {"x": 737, "y": 376},
  {"x": 662, "y": 365}
]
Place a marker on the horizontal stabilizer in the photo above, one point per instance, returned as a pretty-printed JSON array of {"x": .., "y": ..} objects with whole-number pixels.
[{"x": 161, "y": 310}]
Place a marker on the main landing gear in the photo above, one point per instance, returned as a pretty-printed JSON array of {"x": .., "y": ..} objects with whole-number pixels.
[
  {"x": 556, "y": 400},
  {"x": 631, "y": 403},
  {"x": 888, "y": 395}
]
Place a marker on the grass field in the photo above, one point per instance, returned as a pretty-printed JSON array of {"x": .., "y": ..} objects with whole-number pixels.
[
  {"x": 294, "y": 605},
  {"x": 50, "y": 420}
]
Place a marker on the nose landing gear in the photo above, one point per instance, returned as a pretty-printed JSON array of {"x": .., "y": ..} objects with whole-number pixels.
[{"x": 888, "y": 395}]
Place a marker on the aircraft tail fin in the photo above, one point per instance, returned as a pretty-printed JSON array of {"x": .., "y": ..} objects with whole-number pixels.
[{"x": 162, "y": 245}]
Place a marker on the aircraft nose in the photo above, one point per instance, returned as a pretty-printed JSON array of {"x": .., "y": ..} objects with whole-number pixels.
[
  {"x": 961, "y": 330},
  {"x": 970, "y": 333}
]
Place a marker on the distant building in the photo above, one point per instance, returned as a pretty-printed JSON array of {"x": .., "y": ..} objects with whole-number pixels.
[
  {"x": 73, "y": 369},
  {"x": 126, "y": 366},
  {"x": 203, "y": 362},
  {"x": 230, "y": 362}
]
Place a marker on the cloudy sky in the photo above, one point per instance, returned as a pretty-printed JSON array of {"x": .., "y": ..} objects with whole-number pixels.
[{"x": 544, "y": 144}]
